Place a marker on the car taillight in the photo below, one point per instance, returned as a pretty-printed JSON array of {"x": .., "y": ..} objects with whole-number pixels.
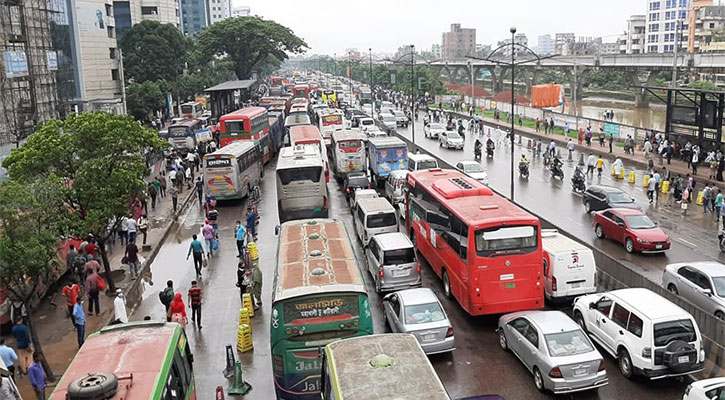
[
  {"x": 449, "y": 332},
  {"x": 381, "y": 271},
  {"x": 553, "y": 284},
  {"x": 417, "y": 265},
  {"x": 348, "y": 189},
  {"x": 601, "y": 366},
  {"x": 555, "y": 373},
  {"x": 369, "y": 187},
  {"x": 324, "y": 202}
]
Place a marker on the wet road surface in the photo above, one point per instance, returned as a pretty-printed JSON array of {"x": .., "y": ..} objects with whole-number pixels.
[{"x": 478, "y": 366}]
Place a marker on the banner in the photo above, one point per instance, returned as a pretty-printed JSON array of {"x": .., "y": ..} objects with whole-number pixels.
[
  {"x": 611, "y": 128},
  {"x": 641, "y": 133},
  {"x": 16, "y": 64},
  {"x": 91, "y": 18},
  {"x": 203, "y": 135},
  {"x": 448, "y": 98},
  {"x": 52, "y": 57},
  {"x": 625, "y": 131}
]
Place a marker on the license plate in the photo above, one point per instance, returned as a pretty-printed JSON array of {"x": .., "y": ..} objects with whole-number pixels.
[
  {"x": 429, "y": 337},
  {"x": 575, "y": 285},
  {"x": 510, "y": 285},
  {"x": 683, "y": 359},
  {"x": 659, "y": 246},
  {"x": 580, "y": 372},
  {"x": 506, "y": 277},
  {"x": 401, "y": 272}
]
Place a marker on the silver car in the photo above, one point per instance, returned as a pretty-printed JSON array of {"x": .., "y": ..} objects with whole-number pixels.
[
  {"x": 474, "y": 169},
  {"x": 434, "y": 129},
  {"x": 700, "y": 282},
  {"x": 450, "y": 140},
  {"x": 555, "y": 349},
  {"x": 418, "y": 311}
]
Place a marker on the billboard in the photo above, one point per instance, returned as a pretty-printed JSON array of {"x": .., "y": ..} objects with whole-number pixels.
[
  {"x": 52, "y": 57},
  {"x": 91, "y": 18},
  {"x": 16, "y": 64}
]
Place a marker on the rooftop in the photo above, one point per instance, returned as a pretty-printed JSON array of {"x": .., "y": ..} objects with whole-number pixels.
[{"x": 231, "y": 85}]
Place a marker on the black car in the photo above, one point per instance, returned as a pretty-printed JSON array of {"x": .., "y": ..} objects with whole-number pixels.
[
  {"x": 353, "y": 181},
  {"x": 600, "y": 197}
]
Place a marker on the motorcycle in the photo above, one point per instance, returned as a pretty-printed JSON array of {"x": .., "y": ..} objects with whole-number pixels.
[
  {"x": 547, "y": 158},
  {"x": 524, "y": 169},
  {"x": 578, "y": 181},
  {"x": 477, "y": 152},
  {"x": 489, "y": 150},
  {"x": 557, "y": 172}
]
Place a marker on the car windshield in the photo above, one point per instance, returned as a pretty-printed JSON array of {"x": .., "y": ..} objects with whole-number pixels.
[
  {"x": 389, "y": 118},
  {"x": 382, "y": 220},
  {"x": 619, "y": 197},
  {"x": 453, "y": 135},
  {"x": 360, "y": 181},
  {"x": 398, "y": 114},
  {"x": 719, "y": 283},
  {"x": 639, "y": 222},
  {"x": 426, "y": 164},
  {"x": 568, "y": 343},
  {"x": 423, "y": 313},
  {"x": 666, "y": 332},
  {"x": 436, "y": 126},
  {"x": 475, "y": 167}
]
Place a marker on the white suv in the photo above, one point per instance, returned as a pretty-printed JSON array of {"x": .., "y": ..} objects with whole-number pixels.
[{"x": 647, "y": 333}]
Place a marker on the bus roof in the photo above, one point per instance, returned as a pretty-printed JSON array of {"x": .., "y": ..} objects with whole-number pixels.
[
  {"x": 358, "y": 364},
  {"x": 315, "y": 256},
  {"x": 297, "y": 119},
  {"x": 469, "y": 199},
  {"x": 234, "y": 148},
  {"x": 299, "y": 156},
  {"x": 246, "y": 112},
  {"x": 347, "y": 134},
  {"x": 186, "y": 122},
  {"x": 305, "y": 134},
  {"x": 124, "y": 350}
]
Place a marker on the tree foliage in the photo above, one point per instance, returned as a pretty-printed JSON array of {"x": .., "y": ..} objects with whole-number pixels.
[
  {"x": 248, "y": 42},
  {"x": 608, "y": 79},
  {"x": 100, "y": 159},
  {"x": 153, "y": 51},
  {"x": 703, "y": 85},
  {"x": 144, "y": 98}
]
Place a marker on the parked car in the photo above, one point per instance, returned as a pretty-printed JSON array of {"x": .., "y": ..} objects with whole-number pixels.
[
  {"x": 474, "y": 169},
  {"x": 600, "y": 197},
  {"x": 354, "y": 181},
  {"x": 632, "y": 228},
  {"x": 450, "y": 140},
  {"x": 391, "y": 260},
  {"x": 554, "y": 349},
  {"x": 418, "y": 311},
  {"x": 648, "y": 334},
  {"x": 706, "y": 389},
  {"x": 433, "y": 130},
  {"x": 700, "y": 282}
]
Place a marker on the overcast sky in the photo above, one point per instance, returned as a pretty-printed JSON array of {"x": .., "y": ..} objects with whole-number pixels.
[{"x": 332, "y": 26}]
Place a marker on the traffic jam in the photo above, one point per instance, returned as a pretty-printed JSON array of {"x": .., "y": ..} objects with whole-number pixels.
[{"x": 433, "y": 238}]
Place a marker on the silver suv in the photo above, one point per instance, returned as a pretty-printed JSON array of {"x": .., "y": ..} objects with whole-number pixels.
[{"x": 392, "y": 262}]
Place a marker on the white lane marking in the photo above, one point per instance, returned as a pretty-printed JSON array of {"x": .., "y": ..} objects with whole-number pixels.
[
  {"x": 575, "y": 221},
  {"x": 687, "y": 243}
]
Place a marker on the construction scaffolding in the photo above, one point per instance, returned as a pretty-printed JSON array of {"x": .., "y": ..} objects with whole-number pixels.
[{"x": 28, "y": 64}]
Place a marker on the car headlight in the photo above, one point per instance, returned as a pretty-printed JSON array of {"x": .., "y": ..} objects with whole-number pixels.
[{"x": 640, "y": 240}]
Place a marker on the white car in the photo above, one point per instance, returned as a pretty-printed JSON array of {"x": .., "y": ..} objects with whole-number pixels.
[
  {"x": 706, "y": 389},
  {"x": 367, "y": 109},
  {"x": 700, "y": 282},
  {"x": 474, "y": 169},
  {"x": 389, "y": 121},
  {"x": 433, "y": 130},
  {"x": 450, "y": 140}
]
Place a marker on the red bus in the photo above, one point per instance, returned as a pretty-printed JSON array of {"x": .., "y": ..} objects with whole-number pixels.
[
  {"x": 275, "y": 80},
  {"x": 486, "y": 250},
  {"x": 301, "y": 91},
  {"x": 249, "y": 123},
  {"x": 308, "y": 134}
]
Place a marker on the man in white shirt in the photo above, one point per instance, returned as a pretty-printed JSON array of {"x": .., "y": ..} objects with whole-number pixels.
[
  {"x": 591, "y": 162},
  {"x": 131, "y": 230},
  {"x": 119, "y": 308},
  {"x": 172, "y": 177}
]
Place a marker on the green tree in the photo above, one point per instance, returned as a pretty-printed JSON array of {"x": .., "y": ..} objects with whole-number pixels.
[
  {"x": 144, "y": 98},
  {"x": 425, "y": 81},
  {"x": 29, "y": 216},
  {"x": 248, "y": 42},
  {"x": 153, "y": 51},
  {"x": 704, "y": 85},
  {"x": 100, "y": 157}
]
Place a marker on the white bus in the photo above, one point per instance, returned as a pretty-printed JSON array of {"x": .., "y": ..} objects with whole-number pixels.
[
  {"x": 301, "y": 186},
  {"x": 192, "y": 109},
  {"x": 329, "y": 121},
  {"x": 348, "y": 153},
  {"x": 232, "y": 171}
]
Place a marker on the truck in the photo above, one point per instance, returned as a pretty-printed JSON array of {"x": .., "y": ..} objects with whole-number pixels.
[{"x": 385, "y": 155}]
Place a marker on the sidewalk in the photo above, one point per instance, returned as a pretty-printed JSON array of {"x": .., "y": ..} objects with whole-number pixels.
[{"x": 57, "y": 333}]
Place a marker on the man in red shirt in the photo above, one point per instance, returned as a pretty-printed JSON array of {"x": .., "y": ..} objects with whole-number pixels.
[
  {"x": 91, "y": 248},
  {"x": 71, "y": 292},
  {"x": 194, "y": 301}
]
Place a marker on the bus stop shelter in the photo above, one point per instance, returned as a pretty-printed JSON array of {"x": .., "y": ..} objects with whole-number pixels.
[{"x": 228, "y": 96}]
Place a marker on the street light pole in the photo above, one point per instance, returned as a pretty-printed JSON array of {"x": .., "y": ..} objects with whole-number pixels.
[
  {"x": 513, "y": 100},
  {"x": 473, "y": 98},
  {"x": 370, "y": 56},
  {"x": 674, "y": 61},
  {"x": 412, "y": 92}
]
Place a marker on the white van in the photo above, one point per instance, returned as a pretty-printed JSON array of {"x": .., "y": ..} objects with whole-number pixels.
[
  {"x": 301, "y": 187},
  {"x": 374, "y": 216},
  {"x": 418, "y": 161},
  {"x": 569, "y": 268}
]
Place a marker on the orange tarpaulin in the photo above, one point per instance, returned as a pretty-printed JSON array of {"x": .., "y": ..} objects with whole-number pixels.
[{"x": 548, "y": 95}]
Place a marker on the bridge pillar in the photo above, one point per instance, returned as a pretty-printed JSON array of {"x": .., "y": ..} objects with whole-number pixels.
[
  {"x": 641, "y": 96},
  {"x": 581, "y": 77}
]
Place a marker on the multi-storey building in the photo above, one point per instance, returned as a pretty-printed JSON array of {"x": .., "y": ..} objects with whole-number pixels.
[
  {"x": 694, "y": 27},
  {"x": 663, "y": 17},
  {"x": 128, "y": 13},
  {"x": 561, "y": 42},
  {"x": 708, "y": 21},
  {"x": 459, "y": 42},
  {"x": 633, "y": 39},
  {"x": 218, "y": 10},
  {"x": 546, "y": 45},
  {"x": 242, "y": 11}
]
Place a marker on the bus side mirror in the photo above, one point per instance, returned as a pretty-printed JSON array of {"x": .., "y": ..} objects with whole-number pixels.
[
  {"x": 276, "y": 230},
  {"x": 592, "y": 305}
]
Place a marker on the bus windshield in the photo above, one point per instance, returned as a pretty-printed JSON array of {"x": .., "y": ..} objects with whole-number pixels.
[
  {"x": 501, "y": 240},
  {"x": 178, "y": 131},
  {"x": 312, "y": 174},
  {"x": 218, "y": 163}
]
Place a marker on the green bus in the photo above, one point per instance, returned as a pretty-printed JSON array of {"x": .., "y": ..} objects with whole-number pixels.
[{"x": 318, "y": 297}]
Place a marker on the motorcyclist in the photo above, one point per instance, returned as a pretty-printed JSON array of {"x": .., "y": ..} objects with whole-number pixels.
[
  {"x": 556, "y": 164},
  {"x": 477, "y": 148},
  {"x": 489, "y": 142}
]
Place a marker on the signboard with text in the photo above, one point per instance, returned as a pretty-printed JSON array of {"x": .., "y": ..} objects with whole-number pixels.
[
  {"x": 611, "y": 129},
  {"x": 321, "y": 307},
  {"x": 16, "y": 64}
]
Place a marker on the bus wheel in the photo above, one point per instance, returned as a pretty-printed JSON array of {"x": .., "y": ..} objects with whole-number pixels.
[
  {"x": 99, "y": 385},
  {"x": 447, "y": 284}
]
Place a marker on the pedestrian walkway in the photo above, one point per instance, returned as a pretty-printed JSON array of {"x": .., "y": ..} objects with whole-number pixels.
[{"x": 55, "y": 330}]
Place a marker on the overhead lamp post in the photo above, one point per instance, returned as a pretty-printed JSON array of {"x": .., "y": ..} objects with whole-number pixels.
[
  {"x": 412, "y": 93},
  {"x": 370, "y": 56}
]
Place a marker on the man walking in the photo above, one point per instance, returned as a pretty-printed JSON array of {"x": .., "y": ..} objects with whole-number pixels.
[
  {"x": 570, "y": 148},
  {"x": 152, "y": 193},
  {"x": 706, "y": 199},
  {"x": 119, "y": 308},
  {"x": 591, "y": 162},
  {"x": 131, "y": 256},
  {"x": 718, "y": 204},
  {"x": 207, "y": 231},
  {"x": 651, "y": 189},
  {"x": 174, "y": 192},
  {"x": 70, "y": 256},
  {"x": 37, "y": 376},
  {"x": 161, "y": 185},
  {"x": 79, "y": 320},
  {"x": 22, "y": 341},
  {"x": 199, "y": 189},
  {"x": 600, "y": 165},
  {"x": 198, "y": 249},
  {"x": 194, "y": 300},
  {"x": 251, "y": 223},
  {"x": 7, "y": 354},
  {"x": 239, "y": 234},
  {"x": 93, "y": 293},
  {"x": 70, "y": 292},
  {"x": 166, "y": 296}
]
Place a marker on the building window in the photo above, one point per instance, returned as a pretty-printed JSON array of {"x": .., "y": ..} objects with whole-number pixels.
[
  {"x": 112, "y": 53},
  {"x": 683, "y": 3},
  {"x": 683, "y": 14},
  {"x": 654, "y": 17},
  {"x": 114, "y": 74},
  {"x": 109, "y": 30},
  {"x": 109, "y": 10},
  {"x": 655, "y": 5},
  {"x": 654, "y": 27},
  {"x": 652, "y": 49},
  {"x": 149, "y": 10}
]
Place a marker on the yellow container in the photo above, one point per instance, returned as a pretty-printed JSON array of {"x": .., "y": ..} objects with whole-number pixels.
[
  {"x": 252, "y": 248},
  {"x": 645, "y": 181},
  {"x": 613, "y": 172},
  {"x": 631, "y": 176},
  {"x": 247, "y": 303},
  {"x": 665, "y": 186},
  {"x": 699, "y": 198},
  {"x": 244, "y": 338},
  {"x": 244, "y": 316},
  {"x": 621, "y": 173}
]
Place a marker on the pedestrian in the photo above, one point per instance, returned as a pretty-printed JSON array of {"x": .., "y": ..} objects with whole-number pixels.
[
  {"x": 651, "y": 189},
  {"x": 161, "y": 185},
  {"x": 79, "y": 321},
  {"x": 706, "y": 199},
  {"x": 257, "y": 285},
  {"x": 22, "y": 341},
  {"x": 177, "y": 311},
  {"x": 199, "y": 189},
  {"x": 143, "y": 226},
  {"x": 580, "y": 136},
  {"x": 611, "y": 140},
  {"x": 70, "y": 257},
  {"x": 695, "y": 159},
  {"x": 91, "y": 249},
  {"x": 718, "y": 204},
  {"x": 153, "y": 192},
  {"x": 167, "y": 295},
  {"x": 70, "y": 291},
  {"x": 91, "y": 265},
  {"x": 566, "y": 129},
  {"x": 194, "y": 299},
  {"x": 239, "y": 233},
  {"x": 172, "y": 175},
  {"x": 537, "y": 124},
  {"x": 601, "y": 137},
  {"x": 8, "y": 356},
  {"x": 93, "y": 293},
  {"x": 119, "y": 308},
  {"x": 570, "y": 148},
  {"x": 207, "y": 231},
  {"x": 37, "y": 376},
  {"x": 600, "y": 165},
  {"x": 685, "y": 200},
  {"x": 198, "y": 250},
  {"x": 242, "y": 280},
  {"x": 174, "y": 192},
  {"x": 123, "y": 230},
  {"x": 546, "y": 126},
  {"x": 252, "y": 223},
  {"x": 136, "y": 209},
  {"x": 130, "y": 257},
  {"x": 591, "y": 162},
  {"x": 132, "y": 229},
  {"x": 657, "y": 178},
  {"x": 188, "y": 176},
  {"x": 589, "y": 135},
  {"x": 8, "y": 392}
]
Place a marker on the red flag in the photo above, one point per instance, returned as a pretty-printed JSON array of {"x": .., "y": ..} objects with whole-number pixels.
[{"x": 348, "y": 71}]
